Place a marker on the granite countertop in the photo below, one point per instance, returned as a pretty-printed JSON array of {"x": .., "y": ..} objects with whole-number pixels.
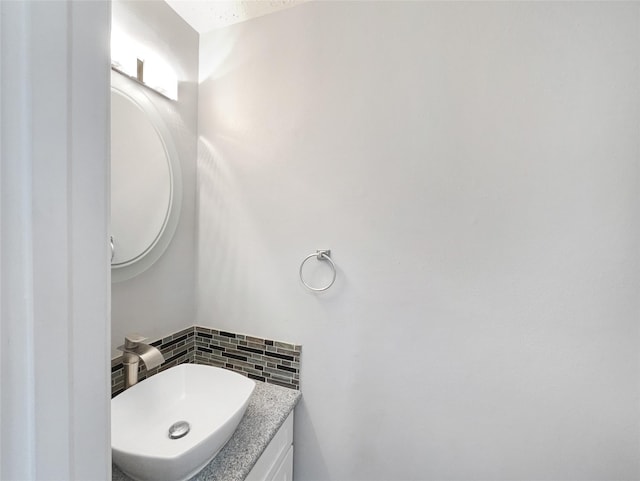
[{"x": 268, "y": 408}]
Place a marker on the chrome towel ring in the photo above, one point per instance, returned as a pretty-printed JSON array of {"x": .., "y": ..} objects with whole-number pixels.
[{"x": 321, "y": 255}]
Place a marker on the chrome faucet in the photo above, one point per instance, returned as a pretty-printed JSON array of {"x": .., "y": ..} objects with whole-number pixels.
[{"x": 134, "y": 350}]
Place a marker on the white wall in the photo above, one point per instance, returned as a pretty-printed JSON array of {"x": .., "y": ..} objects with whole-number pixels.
[
  {"x": 161, "y": 300},
  {"x": 474, "y": 169}
]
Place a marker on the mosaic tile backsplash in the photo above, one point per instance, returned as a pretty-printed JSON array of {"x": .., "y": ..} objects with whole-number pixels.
[{"x": 264, "y": 360}]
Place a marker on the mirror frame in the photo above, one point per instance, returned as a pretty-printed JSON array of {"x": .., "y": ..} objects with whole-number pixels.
[{"x": 136, "y": 94}]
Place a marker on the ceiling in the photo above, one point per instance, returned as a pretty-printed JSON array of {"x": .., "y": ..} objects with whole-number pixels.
[{"x": 206, "y": 15}]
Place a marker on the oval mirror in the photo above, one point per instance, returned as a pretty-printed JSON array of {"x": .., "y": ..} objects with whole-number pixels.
[{"x": 146, "y": 185}]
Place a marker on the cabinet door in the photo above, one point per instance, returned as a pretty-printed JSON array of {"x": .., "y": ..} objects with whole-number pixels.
[{"x": 285, "y": 471}]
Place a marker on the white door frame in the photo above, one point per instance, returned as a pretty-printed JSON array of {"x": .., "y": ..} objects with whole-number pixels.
[{"x": 54, "y": 267}]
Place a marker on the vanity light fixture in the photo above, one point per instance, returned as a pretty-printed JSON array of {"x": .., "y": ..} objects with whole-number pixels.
[{"x": 143, "y": 65}]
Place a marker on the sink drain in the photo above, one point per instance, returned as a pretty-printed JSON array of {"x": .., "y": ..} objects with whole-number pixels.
[{"x": 179, "y": 430}]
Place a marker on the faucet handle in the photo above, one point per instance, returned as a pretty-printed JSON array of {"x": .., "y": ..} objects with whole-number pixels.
[{"x": 132, "y": 340}]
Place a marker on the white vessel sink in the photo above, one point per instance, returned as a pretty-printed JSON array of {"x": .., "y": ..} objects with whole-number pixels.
[{"x": 211, "y": 400}]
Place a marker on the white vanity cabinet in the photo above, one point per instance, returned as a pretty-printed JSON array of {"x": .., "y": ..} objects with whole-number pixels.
[
  {"x": 285, "y": 471},
  {"x": 276, "y": 462}
]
